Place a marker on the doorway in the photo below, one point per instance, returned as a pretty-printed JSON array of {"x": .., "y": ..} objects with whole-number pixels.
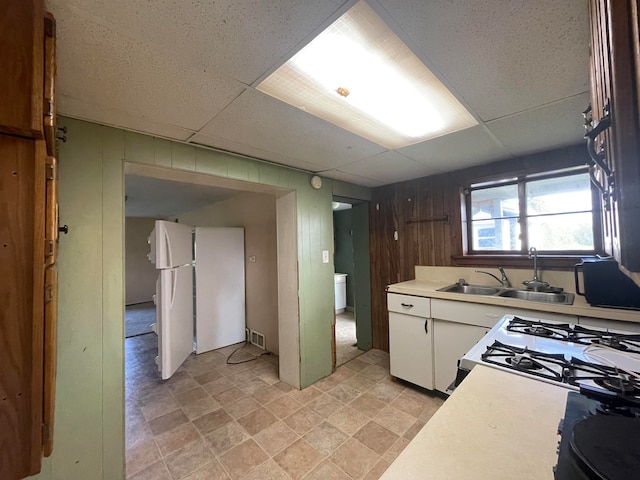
[
  {"x": 352, "y": 280},
  {"x": 186, "y": 196}
]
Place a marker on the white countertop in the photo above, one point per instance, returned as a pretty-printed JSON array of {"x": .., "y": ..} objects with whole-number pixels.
[
  {"x": 427, "y": 288},
  {"x": 496, "y": 425}
]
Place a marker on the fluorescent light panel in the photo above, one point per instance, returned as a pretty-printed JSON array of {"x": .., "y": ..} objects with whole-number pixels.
[{"x": 387, "y": 94}]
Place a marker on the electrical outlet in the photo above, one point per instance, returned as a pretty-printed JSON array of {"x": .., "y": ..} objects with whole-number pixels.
[{"x": 325, "y": 256}]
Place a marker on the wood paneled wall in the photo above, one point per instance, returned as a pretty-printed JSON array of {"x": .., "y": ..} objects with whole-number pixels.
[{"x": 414, "y": 210}]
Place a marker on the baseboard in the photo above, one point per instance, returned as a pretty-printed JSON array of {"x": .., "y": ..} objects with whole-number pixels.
[{"x": 137, "y": 303}]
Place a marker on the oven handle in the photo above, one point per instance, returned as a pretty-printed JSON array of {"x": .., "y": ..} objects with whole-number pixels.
[{"x": 426, "y": 328}]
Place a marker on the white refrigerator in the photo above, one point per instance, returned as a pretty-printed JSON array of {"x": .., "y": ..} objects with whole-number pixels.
[{"x": 219, "y": 294}]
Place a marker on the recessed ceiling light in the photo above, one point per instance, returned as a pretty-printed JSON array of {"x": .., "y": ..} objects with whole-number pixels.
[{"x": 359, "y": 75}]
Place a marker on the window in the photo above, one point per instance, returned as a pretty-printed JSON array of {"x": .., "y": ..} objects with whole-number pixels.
[{"x": 552, "y": 212}]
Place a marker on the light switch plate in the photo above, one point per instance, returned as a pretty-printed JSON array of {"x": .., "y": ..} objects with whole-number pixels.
[{"x": 325, "y": 256}]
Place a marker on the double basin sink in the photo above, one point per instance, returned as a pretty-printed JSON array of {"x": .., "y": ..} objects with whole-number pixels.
[{"x": 529, "y": 295}]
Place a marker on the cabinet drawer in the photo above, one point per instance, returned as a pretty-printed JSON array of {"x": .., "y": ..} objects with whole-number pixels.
[
  {"x": 485, "y": 315},
  {"x": 409, "y": 304}
]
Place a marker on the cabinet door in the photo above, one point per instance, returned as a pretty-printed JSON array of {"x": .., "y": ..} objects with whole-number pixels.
[
  {"x": 50, "y": 357},
  {"x": 22, "y": 187},
  {"x": 451, "y": 341},
  {"x": 21, "y": 80},
  {"x": 49, "y": 121},
  {"x": 411, "y": 348},
  {"x": 615, "y": 53}
]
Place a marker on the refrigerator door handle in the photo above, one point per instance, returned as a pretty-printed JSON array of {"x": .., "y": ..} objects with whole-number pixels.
[
  {"x": 174, "y": 284},
  {"x": 168, "y": 251}
]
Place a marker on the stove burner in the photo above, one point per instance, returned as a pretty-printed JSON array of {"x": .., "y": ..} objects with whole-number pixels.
[
  {"x": 621, "y": 384},
  {"x": 618, "y": 341},
  {"x": 557, "y": 331},
  {"x": 546, "y": 365},
  {"x": 523, "y": 362},
  {"x": 609, "y": 341},
  {"x": 539, "y": 331},
  {"x": 582, "y": 373}
]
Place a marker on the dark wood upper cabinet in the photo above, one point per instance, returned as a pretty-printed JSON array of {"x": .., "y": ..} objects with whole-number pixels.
[
  {"x": 615, "y": 123},
  {"x": 28, "y": 237},
  {"x": 22, "y": 79}
]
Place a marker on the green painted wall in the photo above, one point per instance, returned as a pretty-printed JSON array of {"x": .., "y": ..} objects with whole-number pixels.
[{"x": 89, "y": 421}]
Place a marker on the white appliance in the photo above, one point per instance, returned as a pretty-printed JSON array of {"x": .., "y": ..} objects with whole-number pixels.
[
  {"x": 219, "y": 295},
  {"x": 220, "y": 287},
  {"x": 564, "y": 354},
  {"x": 340, "y": 282}
]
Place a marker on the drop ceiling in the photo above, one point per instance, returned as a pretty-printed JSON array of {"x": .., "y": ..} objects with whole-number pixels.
[{"x": 187, "y": 71}]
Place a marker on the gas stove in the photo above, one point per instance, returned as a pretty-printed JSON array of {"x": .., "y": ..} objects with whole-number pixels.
[
  {"x": 561, "y": 353},
  {"x": 600, "y": 431}
]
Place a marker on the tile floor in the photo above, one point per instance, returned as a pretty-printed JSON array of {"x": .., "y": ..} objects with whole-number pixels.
[
  {"x": 218, "y": 421},
  {"x": 346, "y": 338}
]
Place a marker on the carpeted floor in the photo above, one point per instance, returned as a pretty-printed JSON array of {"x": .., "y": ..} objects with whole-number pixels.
[
  {"x": 138, "y": 319},
  {"x": 346, "y": 338}
]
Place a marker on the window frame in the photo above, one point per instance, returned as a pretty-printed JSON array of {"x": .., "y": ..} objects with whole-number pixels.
[{"x": 521, "y": 179}]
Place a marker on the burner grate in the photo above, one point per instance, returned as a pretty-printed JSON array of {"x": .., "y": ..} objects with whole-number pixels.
[
  {"x": 619, "y": 341},
  {"x": 556, "y": 331},
  {"x": 584, "y": 373},
  {"x": 545, "y": 365}
]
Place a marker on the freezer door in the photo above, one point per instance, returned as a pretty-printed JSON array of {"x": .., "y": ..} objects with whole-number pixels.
[
  {"x": 170, "y": 244},
  {"x": 174, "y": 322},
  {"x": 220, "y": 287}
]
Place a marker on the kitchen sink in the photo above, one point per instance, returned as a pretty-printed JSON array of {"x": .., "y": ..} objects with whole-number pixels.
[
  {"x": 470, "y": 289},
  {"x": 532, "y": 296},
  {"x": 527, "y": 295}
]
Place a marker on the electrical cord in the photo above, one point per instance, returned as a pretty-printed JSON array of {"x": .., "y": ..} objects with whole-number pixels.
[{"x": 246, "y": 344}]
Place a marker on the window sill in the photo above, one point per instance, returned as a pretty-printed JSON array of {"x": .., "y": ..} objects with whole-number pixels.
[{"x": 549, "y": 262}]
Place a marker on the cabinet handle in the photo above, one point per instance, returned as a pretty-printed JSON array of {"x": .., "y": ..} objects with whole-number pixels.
[
  {"x": 407, "y": 305},
  {"x": 426, "y": 326},
  {"x": 599, "y": 157}
]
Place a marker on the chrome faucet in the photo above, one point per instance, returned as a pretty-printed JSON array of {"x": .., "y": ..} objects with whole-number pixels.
[
  {"x": 535, "y": 284},
  {"x": 504, "y": 280}
]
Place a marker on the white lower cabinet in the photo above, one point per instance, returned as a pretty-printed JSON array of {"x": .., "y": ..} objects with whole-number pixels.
[
  {"x": 451, "y": 340},
  {"x": 411, "y": 348},
  {"x": 411, "y": 339}
]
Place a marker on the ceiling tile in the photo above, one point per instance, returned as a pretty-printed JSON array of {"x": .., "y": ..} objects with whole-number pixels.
[
  {"x": 169, "y": 68},
  {"x": 389, "y": 167},
  {"x": 84, "y": 110},
  {"x": 458, "y": 150},
  {"x": 503, "y": 56},
  {"x": 242, "y": 39},
  {"x": 230, "y": 146},
  {"x": 552, "y": 126},
  {"x": 99, "y": 65},
  {"x": 350, "y": 178},
  {"x": 260, "y": 121}
]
